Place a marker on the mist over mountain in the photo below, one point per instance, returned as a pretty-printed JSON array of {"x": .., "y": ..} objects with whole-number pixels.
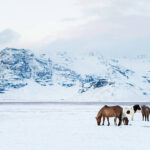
[{"x": 65, "y": 76}]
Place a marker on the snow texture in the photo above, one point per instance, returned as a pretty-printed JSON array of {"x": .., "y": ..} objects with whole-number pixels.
[
  {"x": 37, "y": 127},
  {"x": 63, "y": 76}
]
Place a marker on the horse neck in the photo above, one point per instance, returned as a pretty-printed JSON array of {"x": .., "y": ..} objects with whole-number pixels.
[
  {"x": 132, "y": 108},
  {"x": 99, "y": 115}
]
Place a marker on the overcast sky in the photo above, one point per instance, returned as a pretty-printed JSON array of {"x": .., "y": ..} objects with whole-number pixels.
[{"x": 108, "y": 26}]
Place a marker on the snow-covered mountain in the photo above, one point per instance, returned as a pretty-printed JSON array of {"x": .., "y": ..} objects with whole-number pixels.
[{"x": 63, "y": 76}]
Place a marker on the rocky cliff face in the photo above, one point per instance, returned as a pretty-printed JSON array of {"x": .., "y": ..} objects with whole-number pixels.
[
  {"x": 18, "y": 66},
  {"x": 89, "y": 73}
]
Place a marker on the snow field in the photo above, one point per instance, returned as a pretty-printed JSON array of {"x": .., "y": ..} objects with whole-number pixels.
[{"x": 65, "y": 127}]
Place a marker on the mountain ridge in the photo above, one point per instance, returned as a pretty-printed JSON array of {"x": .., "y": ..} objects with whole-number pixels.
[{"x": 88, "y": 77}]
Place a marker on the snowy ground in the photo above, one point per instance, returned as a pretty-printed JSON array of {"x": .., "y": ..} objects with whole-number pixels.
[{"x": 67, "y": 127}]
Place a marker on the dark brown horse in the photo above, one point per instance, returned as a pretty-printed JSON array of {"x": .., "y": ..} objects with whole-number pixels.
[
  {"x": 112, "y": 111},
  {"x": 125, "y": 121},
  {"x": 145, "y": 112}
]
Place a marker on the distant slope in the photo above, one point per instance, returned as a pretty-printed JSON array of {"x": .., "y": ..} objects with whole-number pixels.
[{"x": 62, "y": 76}]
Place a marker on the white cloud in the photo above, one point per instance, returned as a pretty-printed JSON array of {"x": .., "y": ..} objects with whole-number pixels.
[
  {"x": 84, "y": 23},
  {"x": 8, "y": 35}
]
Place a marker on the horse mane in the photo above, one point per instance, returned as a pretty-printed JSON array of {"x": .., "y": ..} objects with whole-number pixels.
[{"x": 99, "y": 115}]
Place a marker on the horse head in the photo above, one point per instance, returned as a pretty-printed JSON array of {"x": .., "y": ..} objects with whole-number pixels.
[
  {"x": 136, "y": 107},
  {"x": 125, "y": 121},
  {"x": 98, "y": 119}
]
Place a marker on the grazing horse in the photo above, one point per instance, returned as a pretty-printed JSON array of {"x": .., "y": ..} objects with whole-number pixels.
[
  {"x": 112, "y": 111},
  {"x": 131, "y": 110},
  {"x": 125, "y": 118},
  {"x": 125, "y": 121},
  {"x": 145, "y": 110}
]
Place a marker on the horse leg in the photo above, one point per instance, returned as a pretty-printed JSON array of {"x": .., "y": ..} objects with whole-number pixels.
[
  {"x": 147, "y": 116},
  {"x": 143, "y": 116},
  {"x": 132, "y": 115},
  {"x": 115, "y": 121},
  {"x": 108, "y": 121},
  {"x": 120, "y": 120},
  {"x": 103, "y": 120},
  {"x": 100, "y": 120}
]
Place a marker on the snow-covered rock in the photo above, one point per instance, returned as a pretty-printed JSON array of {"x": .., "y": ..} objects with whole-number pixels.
[{"x": 57, "y": 76}]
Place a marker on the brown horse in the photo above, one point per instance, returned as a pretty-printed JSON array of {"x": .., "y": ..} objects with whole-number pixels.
[
  {"x": 125, "y": 121},
  {"x": 112, "y": 111},
  {"x": 145, "y": 112}
]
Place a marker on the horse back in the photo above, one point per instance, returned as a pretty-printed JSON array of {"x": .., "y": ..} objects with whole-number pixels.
[{"x": 112, "y": 111}]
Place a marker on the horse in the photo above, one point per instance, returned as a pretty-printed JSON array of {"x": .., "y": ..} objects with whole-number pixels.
[
  {"x": 125, "y": 118},
  {"x": 131, "y": 110},
  {"x": 145, "y": 112},
  {"x": 125, "y": 121},
  {"x": 109, "y": 111}
]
